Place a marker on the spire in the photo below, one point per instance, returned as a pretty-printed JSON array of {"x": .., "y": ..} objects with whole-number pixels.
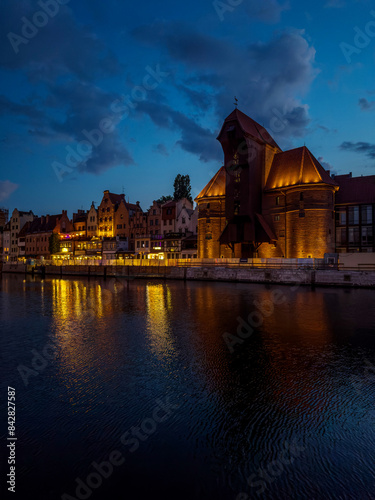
[{"x": 235, "y": 101}]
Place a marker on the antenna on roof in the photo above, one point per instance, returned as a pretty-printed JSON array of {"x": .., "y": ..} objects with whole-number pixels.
[{"x": 235, "y": 101}]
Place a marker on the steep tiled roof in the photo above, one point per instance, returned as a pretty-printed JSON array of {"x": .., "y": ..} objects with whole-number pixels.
[
  {"x": 296, "y": 167},
  {"x": 355, "y": 189},
  {"x": 116, "y": 198},
  {"x": 216, "y": 186},
  {"x": 24, "y": 230},
  {"x": 250, "y": 127},
  {"x": 170, "y": 203},
  {"x": 39, "y": 225},
  {"x": 132, "y": 206}
]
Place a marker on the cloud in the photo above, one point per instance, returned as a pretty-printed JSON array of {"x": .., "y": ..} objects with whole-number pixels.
[
  {"x": 63, "y": 61},
  {"x": 366, "y": 105},
  {"x": 161, "y": 149},
  {"x": 335, "y": 4},
  {"x": 6, "y": 189},
  {"x": 268, "y": 11},
  {"x": 327, "y": 166},
  {"x": 194, "y": 138},
  {"x": 61, "y": 47},
  {"x": 268, "y": 78},
  {"x": 81, "y": 107},
  {"x": 360, "y": 147}
]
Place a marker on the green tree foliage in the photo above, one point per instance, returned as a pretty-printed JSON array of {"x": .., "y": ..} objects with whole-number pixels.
[
  {"x": 54, "y": 243},
  {"x": 164, "y": 199},
  {"x": 182, "y": 187}
]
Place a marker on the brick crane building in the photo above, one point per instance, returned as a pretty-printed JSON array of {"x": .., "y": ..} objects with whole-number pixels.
[{"x": 265, "y": 202}]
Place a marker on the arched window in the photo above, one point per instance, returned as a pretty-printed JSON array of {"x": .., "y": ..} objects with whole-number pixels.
[{"x": 301, "y": 197}]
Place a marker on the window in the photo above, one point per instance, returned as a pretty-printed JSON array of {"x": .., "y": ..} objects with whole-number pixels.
[
  {"x": 146, "y": 244},
  {"x": 151, "y": 232},
  {"x": 353, "y": 215},
  {"x": 301, "y": 215},
  {"x": 341, "y": 236},
  {"x": 277, "y": 200},
  {"x": 119, "y": 226},
  {"x": 156, "y": 222},
  {"x": 169, "y": 211},
  {"x": 154, "y": 212},
  {"x": 367, "y": 236},
  {"x": 341, "y": 217},
  {"x": 108, "y": 209},
  {"x": 170, "y": 222},
  {"x": 138, "y": 244},
  {"x": 151, "y": 222},
  {"x": 301, "y": 197},
  {"x": 208, "y": 205},
  {"x": 276, "y": 218},
  {"x": 353, "y": 235},
  {"x": 183, "y": 220},
  {"x": 366, "y": 214}
]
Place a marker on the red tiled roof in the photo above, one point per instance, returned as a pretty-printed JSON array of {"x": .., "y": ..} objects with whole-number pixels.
[
  {"x": 170, "y": 203},
  {"x": 355, "y": 189},
  {"x": 216, "y": 186},
  {"x": 39, "y": 226},
  {"x": 116, "y": 198},
  {"x": 250, "y": 127},
  {"x": 296, "y": 167},
  {"x": 24, "y": 230},
  {"x": 132, "y": 206}
]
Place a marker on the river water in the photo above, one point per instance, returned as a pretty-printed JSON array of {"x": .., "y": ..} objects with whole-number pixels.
[{"x": 188, "y": 390}]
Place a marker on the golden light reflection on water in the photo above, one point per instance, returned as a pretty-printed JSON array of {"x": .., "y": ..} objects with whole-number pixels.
[
  {"x": 86, "y": 344},
  {"x": 159, "y": 309},
  {"x": 303, "y": 321}
]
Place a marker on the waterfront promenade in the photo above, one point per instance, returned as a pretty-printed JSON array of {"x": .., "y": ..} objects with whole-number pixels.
[{"x": 311, "y": 272}]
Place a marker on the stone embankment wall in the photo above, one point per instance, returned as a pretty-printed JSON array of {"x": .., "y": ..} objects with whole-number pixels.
[{"x": 243, "y": 275}]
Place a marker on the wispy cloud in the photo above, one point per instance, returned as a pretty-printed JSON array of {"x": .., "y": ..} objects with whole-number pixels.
[
  {"x": 360, "y": 147},
  {"x": 6, "y": 189},
  {"x": 366, "y": 105}
]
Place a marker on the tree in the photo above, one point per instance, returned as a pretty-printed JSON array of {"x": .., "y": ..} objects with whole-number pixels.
[
  {"x": 182, "y": 187},
  {"x": 164, "y": 199},
  {"x": 54, "y": 243}
]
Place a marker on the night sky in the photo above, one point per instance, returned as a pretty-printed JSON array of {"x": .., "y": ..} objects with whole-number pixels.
[{"x": 159, "y": 78}]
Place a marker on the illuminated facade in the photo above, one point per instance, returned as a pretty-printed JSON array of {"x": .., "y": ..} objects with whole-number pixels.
[
  {"x": 265, "y": 202},
  {"x": 39, "y": 231}
]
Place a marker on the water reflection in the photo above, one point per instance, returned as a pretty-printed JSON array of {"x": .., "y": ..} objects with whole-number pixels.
[
  {"x": 123, "y": 344},
  {"x": 159, "y": 309}
]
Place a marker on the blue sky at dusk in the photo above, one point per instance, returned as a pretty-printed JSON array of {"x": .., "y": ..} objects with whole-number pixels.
[{"x": 159, "y": 78}]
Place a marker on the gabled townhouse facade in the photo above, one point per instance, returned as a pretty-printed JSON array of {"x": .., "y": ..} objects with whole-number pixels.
[
  {"x": 17, "y": 221},
  {"x": 37, "y": 242}
]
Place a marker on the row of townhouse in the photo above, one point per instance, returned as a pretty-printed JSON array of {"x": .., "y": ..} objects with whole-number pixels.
[{"x": 116, "y": 229}]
